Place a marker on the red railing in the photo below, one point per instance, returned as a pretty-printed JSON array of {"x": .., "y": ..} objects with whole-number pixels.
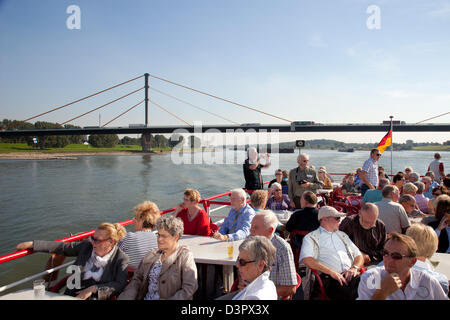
[{"x": 207, "y": 202}]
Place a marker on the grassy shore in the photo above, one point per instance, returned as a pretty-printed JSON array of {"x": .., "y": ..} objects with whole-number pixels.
[{"x": 432, "y": 148}]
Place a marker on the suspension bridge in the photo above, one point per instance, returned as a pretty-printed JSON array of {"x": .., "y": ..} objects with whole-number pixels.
[{"x": 146, "y": 130}]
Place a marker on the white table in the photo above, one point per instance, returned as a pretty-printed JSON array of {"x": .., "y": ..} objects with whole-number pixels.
[
  {"x": 208, "y": 250},
  {"x": 283, "y": 215},
  {"x": 28, "y": 294},
  {"x": 444, "y": 263}
]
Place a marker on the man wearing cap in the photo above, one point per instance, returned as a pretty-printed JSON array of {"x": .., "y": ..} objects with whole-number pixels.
[{"x": 334, "y": 255}]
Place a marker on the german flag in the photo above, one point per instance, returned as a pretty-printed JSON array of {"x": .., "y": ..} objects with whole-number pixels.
[{"x": 385, "y": 142}]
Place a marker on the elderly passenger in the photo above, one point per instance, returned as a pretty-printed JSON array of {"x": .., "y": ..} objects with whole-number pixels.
[
  {"x": 137, "y": 244},
  {"x": 397, "y": 279},
  {"x": 102, "y": 262},
  {"x": 166, "y": 273},
  {"x": 302, "y": 179},
  {"x": 421, "y": 200},
  {"x": 409, "y": 204},
  {"x": 256, "y": 256},
  {"x": 280, "y": 180},
  {"x": 399, "y": 181},
  {"x": 332, "y": 253},
  {"x": 392, "y": 213},
  {"x": 282, "y": 272},
  {"x": 236, "y": 225},
  {"x": 278, "y": 201},
  {"x": 437, "y": 192},
  {"x": 367, "y": 232},
  {"x": 322, "y": 174},
  {"x": 196, "y": 221}
]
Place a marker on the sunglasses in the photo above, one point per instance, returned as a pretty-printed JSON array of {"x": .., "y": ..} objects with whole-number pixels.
[
  {"x": 394, "y": 255},
  {"x": 95, "y": 240},
  {"x": 243, "y": 262},
  {"x": 378, "y": 154},
  {"x": 436, "y": 194}
]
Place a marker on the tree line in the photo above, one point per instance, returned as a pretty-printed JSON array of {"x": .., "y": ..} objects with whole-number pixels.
[{"x": 60, "y": 141}]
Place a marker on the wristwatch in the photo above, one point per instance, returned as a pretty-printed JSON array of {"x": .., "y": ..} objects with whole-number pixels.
[{"x": 355, "y": 267}]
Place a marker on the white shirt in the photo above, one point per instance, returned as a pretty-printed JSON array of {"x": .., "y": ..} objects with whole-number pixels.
[
  {"x": 332, "y": 251},
  {"x": 421, "y": 286},
  {"x": 260, "y": 289}
]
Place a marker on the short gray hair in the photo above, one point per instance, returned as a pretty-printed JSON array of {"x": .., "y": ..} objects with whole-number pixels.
[
  {"x": 388, "y": 190},
  {"x": 420, "y": 187},
  {"x": 302, "y": 155},
  {"x": 270, "y": 219},
  {"x": 240, "y": 192},
  {"x": 171, "y": 224},
  {"x": 275, "y": 185},
  {"x": 259, "y": 248},
  {"x": 414, "y": 175}
]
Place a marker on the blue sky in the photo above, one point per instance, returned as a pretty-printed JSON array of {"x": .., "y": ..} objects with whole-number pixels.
[{"x": 301, "y": 60}]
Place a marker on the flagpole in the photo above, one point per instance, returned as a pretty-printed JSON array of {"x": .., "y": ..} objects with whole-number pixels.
[{"x": 392, "y": 142}]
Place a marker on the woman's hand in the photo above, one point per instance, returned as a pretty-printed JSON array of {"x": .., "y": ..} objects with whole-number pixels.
[
  {"x": 443, "y": 224},
  {"x": 24, "y": 246},
  {"x": 87, "y": 293},
  {"x": 180, "y": 207}
]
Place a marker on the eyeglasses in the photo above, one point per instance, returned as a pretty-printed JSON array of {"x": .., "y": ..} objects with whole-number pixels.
[
  {"x": 243, "y": 262},
  {"x": 278, "y": 174},
  {"x": 394, "y": 255},
  {"x": 96, "y": 241}
]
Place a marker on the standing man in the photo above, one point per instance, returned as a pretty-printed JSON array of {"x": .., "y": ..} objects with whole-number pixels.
[
  {"x": 437, "y": 167},
  {"x": 252, "y": 170},
  {"x": 369, "y": 172},
  {"x": 302, "y": 179}
]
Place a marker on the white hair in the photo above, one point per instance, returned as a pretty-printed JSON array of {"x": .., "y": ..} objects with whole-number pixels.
[
  {"x": 303, "y": 155},
  {"x": 270, "y": 219},
  {"x": 275, "y": 185},
  {"x": 240, "y": 192}
]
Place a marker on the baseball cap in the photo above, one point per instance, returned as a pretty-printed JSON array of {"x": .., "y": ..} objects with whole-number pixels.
[{"x": 327, "y": 211}]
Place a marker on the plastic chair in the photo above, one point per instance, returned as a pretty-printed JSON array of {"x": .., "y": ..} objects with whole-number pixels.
[{"x": 323, "y": 295}]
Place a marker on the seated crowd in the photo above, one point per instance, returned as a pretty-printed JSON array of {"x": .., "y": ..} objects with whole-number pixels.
[{"x": 400, "y": 224}]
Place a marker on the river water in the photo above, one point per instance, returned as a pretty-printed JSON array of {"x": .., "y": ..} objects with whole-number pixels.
[{"x": 49, "y": 199}]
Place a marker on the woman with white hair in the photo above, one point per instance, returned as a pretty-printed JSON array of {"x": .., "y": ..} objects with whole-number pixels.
[
  {"x": 252, "y": 169},
  {"x": 279, "y": 201}
]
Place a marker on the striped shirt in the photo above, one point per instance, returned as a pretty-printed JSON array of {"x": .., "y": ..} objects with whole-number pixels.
[
  {"x": 136, "y": 245},
  {"x": 371, "y": 167},
  {"x": 282, "y": 272}
]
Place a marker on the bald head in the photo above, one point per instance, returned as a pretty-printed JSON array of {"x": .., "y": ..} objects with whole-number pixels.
[{"x": 368, "y": 216}]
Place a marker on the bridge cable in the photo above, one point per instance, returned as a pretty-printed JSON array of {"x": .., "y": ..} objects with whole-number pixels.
[
  {"x": 102, "y": 106},
  {"x": 123, "y": 113},
  {"x": 216, "y": 97},
  {"x": 214, "y": 114},
  {"x": 170, "y": 113},
  {"x": 433, "y": 117},
  {"x": 73, "y": 102}
]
